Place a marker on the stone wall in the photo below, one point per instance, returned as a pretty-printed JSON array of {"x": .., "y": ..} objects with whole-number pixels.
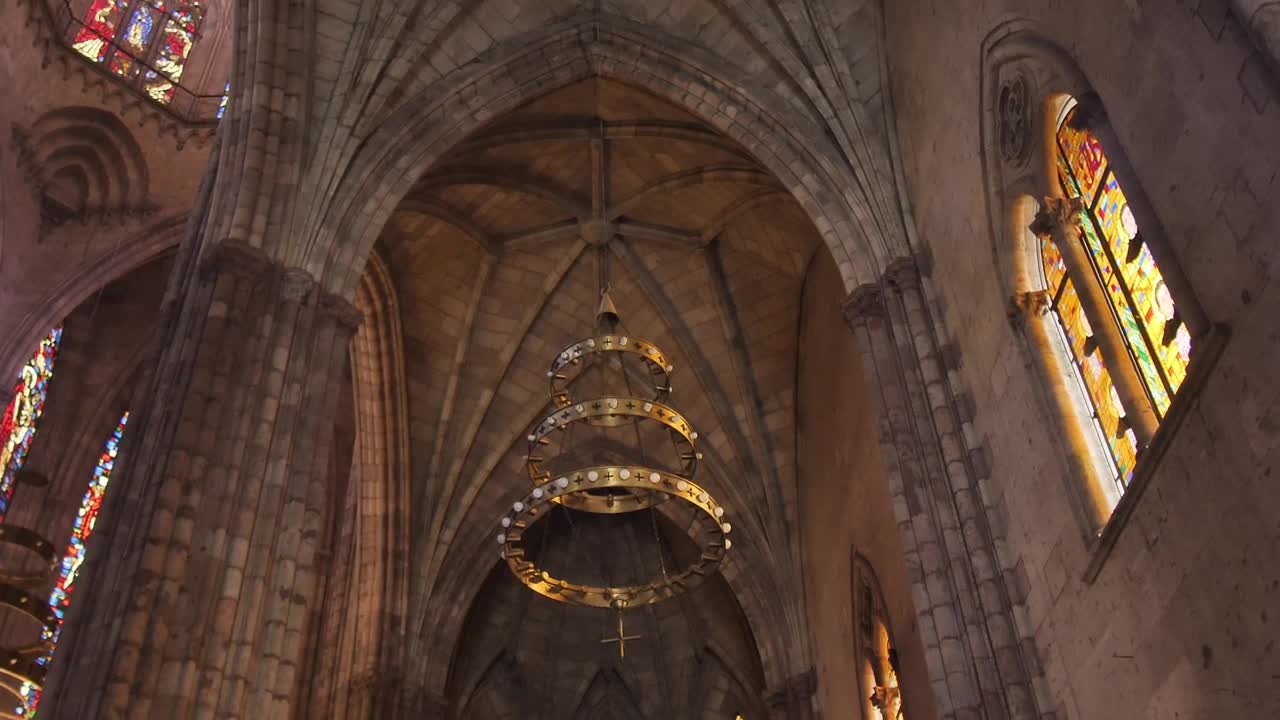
[
  {"x": 846, "y": 506},
  {"x": 1178, "y": 621}
]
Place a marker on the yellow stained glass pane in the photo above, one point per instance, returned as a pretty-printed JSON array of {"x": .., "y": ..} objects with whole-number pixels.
[
  {"x": 1151, "y": 298},
  {"x": 1084, "y": 154},
  {"x": 1054, "y": 267},
  {"x": 1129, "y": 325},
  {"x": 1096, "y": 379}
]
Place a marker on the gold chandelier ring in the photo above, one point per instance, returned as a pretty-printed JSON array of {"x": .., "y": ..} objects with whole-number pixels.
[
  {"x": 612, "y": 412},
  {"x": 659, "y": 365},
  {"x": 525, "y": 512}
]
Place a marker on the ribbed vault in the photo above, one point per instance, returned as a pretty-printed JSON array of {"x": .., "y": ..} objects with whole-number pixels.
[{"x": 495, "y": 255}]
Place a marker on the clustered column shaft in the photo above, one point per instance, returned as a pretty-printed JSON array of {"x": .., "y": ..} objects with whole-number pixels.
[
  {"x": 202, "y": 612},
  {"x": 964, "y": 614}
]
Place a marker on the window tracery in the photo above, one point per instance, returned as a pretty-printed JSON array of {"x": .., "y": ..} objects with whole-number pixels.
[{"x": 147, "y": 42}]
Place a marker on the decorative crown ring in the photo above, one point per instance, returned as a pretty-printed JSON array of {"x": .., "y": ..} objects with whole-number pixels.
[
  {"x": 525, "y": 512},
  {"x": 571, "y": 357}
]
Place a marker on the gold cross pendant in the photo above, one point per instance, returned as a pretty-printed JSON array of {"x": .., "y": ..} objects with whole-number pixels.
[{"x": 621, "y": 639}]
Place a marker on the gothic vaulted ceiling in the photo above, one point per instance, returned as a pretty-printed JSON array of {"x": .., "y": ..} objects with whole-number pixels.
[{"x": 495, "y": 254}]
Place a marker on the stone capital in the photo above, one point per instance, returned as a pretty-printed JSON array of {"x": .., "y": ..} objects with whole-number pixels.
[
  {"x": 296, "y": 285},
  {"x": 866, "y": 301},
  {"x": 341, "y": 309},
  {"x": 904, "y": 272},
  {"x": 1033, "y": 302},
  {"x": 236, "y": 258},
  {"x": 1056, "y": 215},
  {"x": 801, "y": 686}
]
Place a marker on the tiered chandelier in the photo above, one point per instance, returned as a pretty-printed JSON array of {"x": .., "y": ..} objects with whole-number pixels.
[{"x": 563, "y": 474}]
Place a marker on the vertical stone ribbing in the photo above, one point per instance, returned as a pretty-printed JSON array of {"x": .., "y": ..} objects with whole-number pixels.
[
  {"x": 237, "y": 504},
  {"x": 965, "y": 618}
]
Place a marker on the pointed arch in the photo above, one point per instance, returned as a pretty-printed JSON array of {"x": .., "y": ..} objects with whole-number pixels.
[{"x": 1115, "y": 329}]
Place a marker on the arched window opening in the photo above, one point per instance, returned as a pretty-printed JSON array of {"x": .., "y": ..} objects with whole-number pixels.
[
  {"x": 18, "y": 427},
  {"x": 1136, "y": 303},
  {"x": 81, "y": 529},
  {"x": 1158, "y": 339},
  {"x": 146, "y": 42},
  {"x": 877, "y": 655}
]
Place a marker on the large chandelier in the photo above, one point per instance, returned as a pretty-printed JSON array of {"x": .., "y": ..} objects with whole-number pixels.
[{"x": 652, "y": 459}]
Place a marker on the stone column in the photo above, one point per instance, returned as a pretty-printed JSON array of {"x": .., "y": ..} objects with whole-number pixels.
[
  {"x": 1059, "y": 219},
  {"x": 198, "y": 604},
  {"x": 963, "y": 610}
]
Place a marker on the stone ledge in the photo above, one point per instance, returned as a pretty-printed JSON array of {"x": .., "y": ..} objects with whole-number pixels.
[{"x": 1201, "y": 368}]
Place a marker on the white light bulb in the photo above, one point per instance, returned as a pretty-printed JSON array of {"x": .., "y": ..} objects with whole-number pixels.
[
  {"x": 703, "y": 497},
  {"x": 728, "y": 543},
  {"x": 682, "y": 486},
  {"x": 562, "y": 482},
  {"x": 532, "y": 438},
  {"x": 648, "y": 407},
  {"x": 502, "y": 539},
  {"x": 506, "y": 522},
  {"x": 726, "y": 528},
  {"x": 517, "y": 506},
  {"x": 591, "y": 343},
  {"x": 693, "y": 435},
  {"x": 655, "y": 478},
  {"x": 719, "y": 512},
  {"x": 537, "y": 492},
  {"x": 593, "y": 476},
  {"x": 623, "y": 340},
  {"x": 670, "y": 368},
  {"x": 624, "y": 474},
  {"x": 613, "y": 403}
]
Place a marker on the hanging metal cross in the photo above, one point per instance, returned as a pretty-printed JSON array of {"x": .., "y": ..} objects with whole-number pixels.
[{"x": 621, "y": 639}]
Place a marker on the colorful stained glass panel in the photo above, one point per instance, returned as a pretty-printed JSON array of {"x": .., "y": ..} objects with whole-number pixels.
[
  {"x": 18, "y": 426},
  {"x": 1153, "y": 304},
  {"x": 1055, "y": 269},
  {"x": 93, "y": 38},
  {"x": 81, "y": 529},
  {"x": 1084, "y": 154},
  {"x": 151, "y": 44},
  {"x": 1096, "y": 381},
  {"x": 1129, "y": 325}
]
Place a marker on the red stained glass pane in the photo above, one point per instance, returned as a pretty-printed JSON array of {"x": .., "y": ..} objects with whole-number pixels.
[
  {"x": 1083, "y": 153},
  {"x": 93, "y": 38},
  {"x": 18, "y": 426},
  {"x": 151, "y": 45}
]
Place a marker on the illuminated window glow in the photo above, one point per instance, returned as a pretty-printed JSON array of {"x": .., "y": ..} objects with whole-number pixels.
[
  {"x": 1158, "y": 342},
  {"x": 18, "y": 426},
  {"x": 144, "y": 41},
  {"x": 86, "y": 517}
]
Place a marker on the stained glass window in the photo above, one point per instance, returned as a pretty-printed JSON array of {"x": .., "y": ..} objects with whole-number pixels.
[
  {"x": 145, "y": 41},
  {"x": 877, "y": 655},
  {"x": 222, "y": 104},
  {"x": 86, "y": 517},
  {"x": 18, "y": 425},
  {"x": 1158, "y": 342}
]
